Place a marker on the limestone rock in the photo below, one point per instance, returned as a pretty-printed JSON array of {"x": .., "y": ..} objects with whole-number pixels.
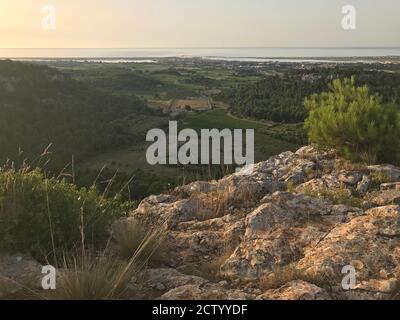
[
  {"x": 152, "y": 283},
  {"x": 206, "y": 292},
  {"x": 382, "y": 285},
  {"x": 390, "y": 172},
  {"x": 390, "y": 186},
  {"x": 350, "y": 178},
  {"x": 386, "y": 198},
  {"x": 313, "y": 154},
  {"x": 372, "y": 239},
  {"x": 248, "y": 224},
  {"x": 296, "y": 290},
  {"x": 278, "y": 232},
  {"x": 364, "y": 184}
]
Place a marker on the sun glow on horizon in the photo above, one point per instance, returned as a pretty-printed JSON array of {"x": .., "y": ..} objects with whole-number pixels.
[{"x": 191, "y": 23}]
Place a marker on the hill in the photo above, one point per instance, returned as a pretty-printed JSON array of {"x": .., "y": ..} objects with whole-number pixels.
[{"x": 40, "y": 105}]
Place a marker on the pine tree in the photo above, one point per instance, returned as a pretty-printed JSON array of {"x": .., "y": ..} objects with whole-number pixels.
[{"x": 355, "y": 122}]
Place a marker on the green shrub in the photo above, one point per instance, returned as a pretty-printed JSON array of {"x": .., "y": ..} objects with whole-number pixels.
[
  {"x": 379, "y": 178},
  {"x": 45, "y": 216},
  {"x": 354, "y": 122},
  {"x": 340, "y": 195}
]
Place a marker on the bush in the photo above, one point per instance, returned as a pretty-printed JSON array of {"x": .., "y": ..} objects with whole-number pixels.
[
  {"x": 340, "y": 195},
  {"x": 45, "y": 216},
  {"x": 354, "y": 122}
]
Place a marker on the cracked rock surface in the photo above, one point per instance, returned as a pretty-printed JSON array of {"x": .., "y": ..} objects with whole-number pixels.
[{"x": 309, "y": 212}]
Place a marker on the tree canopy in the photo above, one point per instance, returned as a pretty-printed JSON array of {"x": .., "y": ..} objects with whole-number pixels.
[{"x": 355, "y": 122}]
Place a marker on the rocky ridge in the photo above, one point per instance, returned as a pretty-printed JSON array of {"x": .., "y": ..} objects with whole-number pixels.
[{"x": 283, "y": 230}]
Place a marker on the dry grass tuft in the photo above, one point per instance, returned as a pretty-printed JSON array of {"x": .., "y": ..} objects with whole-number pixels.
[
  {"x": 220, "y": 201},
  {"x": 211, "y": 270},
  {"x": 94, "y": 279},
  {"x": 131, "y": 237},
  {"x": 25, "y": 289},
  {"x": 98, "y": 278},
  {"x": 86, "y": 276}
]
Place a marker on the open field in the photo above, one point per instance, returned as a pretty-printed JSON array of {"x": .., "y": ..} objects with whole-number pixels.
[
  {"x": 265, "y": 145},
  {"x": 181, "y": 105},
  {"x": 192, "y": 103},
  {"x": 133, "y": 157}
]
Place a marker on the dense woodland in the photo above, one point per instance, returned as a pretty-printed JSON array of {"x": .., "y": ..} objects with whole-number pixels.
[{"x": 280, "y": 97}]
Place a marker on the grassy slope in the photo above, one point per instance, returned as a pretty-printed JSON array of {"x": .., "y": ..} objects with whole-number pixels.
[{"x": 39, "y": 105}]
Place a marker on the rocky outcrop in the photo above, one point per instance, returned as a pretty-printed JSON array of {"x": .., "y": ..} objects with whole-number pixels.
[
  {"x": 299, "y": 226},
  {"x": 309, "y": 210}
]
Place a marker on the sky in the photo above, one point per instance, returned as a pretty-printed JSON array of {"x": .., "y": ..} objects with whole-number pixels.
[{"x": 198, "y": 23}]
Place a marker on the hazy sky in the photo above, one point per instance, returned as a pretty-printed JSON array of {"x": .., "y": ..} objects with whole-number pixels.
[{"x": 197, "y": 23}]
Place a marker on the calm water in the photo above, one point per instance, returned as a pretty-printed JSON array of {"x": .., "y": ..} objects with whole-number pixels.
[{"x": 220, "y": 53}]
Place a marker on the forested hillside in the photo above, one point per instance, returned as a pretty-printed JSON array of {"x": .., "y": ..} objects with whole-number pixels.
[
  {"x": 41, "y": 106},
  {"x": 280, "y": 97}
]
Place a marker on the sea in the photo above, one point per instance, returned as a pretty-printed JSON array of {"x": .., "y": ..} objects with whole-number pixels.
[{"x": 288, "y": 54}]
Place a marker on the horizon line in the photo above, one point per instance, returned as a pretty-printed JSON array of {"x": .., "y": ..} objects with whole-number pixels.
[{"x": 208, "y": 47}]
